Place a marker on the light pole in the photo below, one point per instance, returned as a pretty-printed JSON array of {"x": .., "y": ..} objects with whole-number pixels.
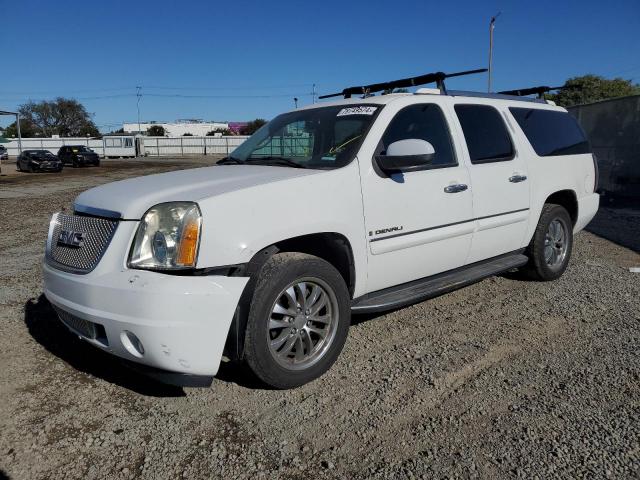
[
  {"x": 491, "y": 27},
  {"x": 138, "y": 94},
  {"x": 295, "y": 101}
]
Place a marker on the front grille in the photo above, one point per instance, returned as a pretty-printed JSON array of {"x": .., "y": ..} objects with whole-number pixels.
[
  {"x": 92, "y": 236},
  {"x": 83, "y": 327}
]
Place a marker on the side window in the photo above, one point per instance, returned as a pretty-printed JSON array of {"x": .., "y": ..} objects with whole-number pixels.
[
  {"x": 551, "y": 132},
  {"x": 485, "y": 133},
  {"x": 423, "y": 121}
]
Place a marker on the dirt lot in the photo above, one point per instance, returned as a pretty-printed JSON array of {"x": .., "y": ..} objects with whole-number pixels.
[{"x": 504, "y": 378}]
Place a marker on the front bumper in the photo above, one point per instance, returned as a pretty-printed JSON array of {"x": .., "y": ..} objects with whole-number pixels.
[
  {"x": 181, "y": 321},
  {"x": 47, "y": 166}
]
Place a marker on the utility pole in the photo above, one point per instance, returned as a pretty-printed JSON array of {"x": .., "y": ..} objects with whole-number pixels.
[
  {"x": 491, "y": 27},
  {"x": 19, "y": 134},
  {"x": 313, "y": 94},
  {"x": 139, "y": 95}
]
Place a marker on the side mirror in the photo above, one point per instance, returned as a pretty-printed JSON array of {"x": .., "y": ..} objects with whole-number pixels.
[{"x": 408, "y": 155}]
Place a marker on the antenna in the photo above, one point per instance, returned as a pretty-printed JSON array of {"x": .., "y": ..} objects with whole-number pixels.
[{"x": 436, "y": 77}]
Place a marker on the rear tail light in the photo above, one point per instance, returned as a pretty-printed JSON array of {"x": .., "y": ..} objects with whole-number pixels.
[{"x": 595, "y": 173}]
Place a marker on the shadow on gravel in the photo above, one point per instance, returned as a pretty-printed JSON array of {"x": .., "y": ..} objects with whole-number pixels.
[
  {"x": 3, "y": 476},
  {"x": 618, "y": 222},
  {"x": 44, "y": 326},
  {"x": 241, "y": 375}
]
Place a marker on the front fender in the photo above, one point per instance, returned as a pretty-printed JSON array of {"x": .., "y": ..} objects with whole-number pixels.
[{"x": 238, "y": 224}]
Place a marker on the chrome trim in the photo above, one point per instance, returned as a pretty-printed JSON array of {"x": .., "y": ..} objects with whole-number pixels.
[
  {"x": 97, "y": 212},
  {"x": 377, "y": 239},
  {"x": 54, "y": 220}
]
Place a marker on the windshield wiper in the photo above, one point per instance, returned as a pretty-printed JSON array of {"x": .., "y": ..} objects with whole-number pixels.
[
  {"x": 280, "y": 161},
  {"x": 229, "y": 161}
]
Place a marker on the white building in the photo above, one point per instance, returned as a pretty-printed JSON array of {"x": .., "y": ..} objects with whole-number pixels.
[{"x": 197, "y": 128}]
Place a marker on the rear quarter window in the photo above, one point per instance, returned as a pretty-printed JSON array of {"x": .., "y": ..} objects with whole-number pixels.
[{"x": 551, "y": 133}]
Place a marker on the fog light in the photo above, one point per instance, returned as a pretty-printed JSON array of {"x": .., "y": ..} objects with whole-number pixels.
[{"x": 132, "y": 344}]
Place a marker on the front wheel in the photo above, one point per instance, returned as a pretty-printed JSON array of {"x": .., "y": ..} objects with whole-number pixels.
[
  {"x": 298, "y": 320},
  {"x": 551, "y": 246}
]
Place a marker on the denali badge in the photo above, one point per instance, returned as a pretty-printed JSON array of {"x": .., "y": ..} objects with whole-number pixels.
[
  {"x": 387, "y": 230},
  {"x": 71, "y": 239}
]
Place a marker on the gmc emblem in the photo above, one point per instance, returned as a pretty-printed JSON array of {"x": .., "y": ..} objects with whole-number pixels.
[{"x": 71, "y": 239}]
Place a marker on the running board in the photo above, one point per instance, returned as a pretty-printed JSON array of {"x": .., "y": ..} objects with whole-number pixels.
[{"x": 424, "y": 288}]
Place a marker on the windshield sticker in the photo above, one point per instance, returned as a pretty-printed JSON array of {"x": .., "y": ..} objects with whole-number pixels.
[{"x": 360, "y": 110}]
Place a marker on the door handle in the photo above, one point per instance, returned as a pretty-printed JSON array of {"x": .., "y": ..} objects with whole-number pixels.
[
  {"x": 458, "y": 187},
  {"x": 517, "y": 178}
]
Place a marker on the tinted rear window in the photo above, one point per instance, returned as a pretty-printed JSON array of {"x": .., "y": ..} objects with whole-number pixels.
[
  {"x": 551, "y": 133},
  {"x": 485, "y": 133}
]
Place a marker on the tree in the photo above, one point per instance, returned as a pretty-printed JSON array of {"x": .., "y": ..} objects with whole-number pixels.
[
  {"x": 591, "y": 88},
  {"x": 155, "y": 131},
  {"x": 27, "y": 129},
  {"x": 221, "y": 131},
  {"x": 252, "y": 126},
  {"x": 63, "y": 116}
]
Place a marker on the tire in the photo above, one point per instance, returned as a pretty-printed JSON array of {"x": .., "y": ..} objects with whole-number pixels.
[
  {"x": 549, "y": 252},
  {"x": 18, "y": 167},
  {"x": 319, "y": 343}
]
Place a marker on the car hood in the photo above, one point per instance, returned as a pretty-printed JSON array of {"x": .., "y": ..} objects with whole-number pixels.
[{"x": 133, "y": 197}]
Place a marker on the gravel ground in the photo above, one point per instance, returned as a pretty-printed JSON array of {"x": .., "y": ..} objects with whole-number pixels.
[{"x": 504, "y": 378}]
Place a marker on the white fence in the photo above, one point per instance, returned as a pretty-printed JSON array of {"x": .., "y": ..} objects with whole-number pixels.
[
  {"x": 54, "y": 144},
  {"x": 129, "y": 146},
  {"x": 180, "y": 146}
]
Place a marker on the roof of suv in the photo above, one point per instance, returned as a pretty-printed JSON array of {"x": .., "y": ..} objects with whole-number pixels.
[{"x": 384, "y": 99}]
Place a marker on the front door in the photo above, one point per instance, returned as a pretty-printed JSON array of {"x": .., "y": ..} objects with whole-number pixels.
[
  {"x": 417, "y": 223},
  {"x": 500, "y": 184}
]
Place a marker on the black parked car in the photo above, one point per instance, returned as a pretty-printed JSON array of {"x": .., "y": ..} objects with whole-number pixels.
[
  {"x": 78, "y": 155},
  {"x": 38, "y": 161}
]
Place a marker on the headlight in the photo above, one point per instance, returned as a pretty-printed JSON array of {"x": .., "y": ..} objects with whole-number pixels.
[{"x": 168, "y": 237}]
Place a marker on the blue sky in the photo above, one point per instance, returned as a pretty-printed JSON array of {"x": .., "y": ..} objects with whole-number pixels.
[{"x": 202, "y": 59}]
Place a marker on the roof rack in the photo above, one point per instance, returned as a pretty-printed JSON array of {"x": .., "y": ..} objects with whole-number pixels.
[
  {"x": 435, "y": 77},
  {"x": 540, "y": 91}
]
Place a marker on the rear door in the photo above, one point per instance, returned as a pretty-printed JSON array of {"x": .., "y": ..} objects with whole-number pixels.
[
  {"x": 499, "y": 177},
  {"x": 416, "y": 225}
]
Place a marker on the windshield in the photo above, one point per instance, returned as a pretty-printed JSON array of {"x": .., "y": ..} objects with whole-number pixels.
[
  {"x": 39, "y": 153},
  {"x": 325, "y": 137}
]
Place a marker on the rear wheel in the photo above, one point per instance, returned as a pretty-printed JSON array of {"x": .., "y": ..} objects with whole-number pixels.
[
  {"x": 551, "y": 246},
  {"x": 298, "y": 320}
]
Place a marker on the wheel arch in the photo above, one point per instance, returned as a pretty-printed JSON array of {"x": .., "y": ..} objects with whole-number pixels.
[
  {"x": 568, "y": 200},
  {"x": 332, "y": 247}
]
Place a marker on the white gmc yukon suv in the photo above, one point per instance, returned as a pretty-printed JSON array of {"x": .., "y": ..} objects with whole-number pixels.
[{"x": 359, "y": 205}]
